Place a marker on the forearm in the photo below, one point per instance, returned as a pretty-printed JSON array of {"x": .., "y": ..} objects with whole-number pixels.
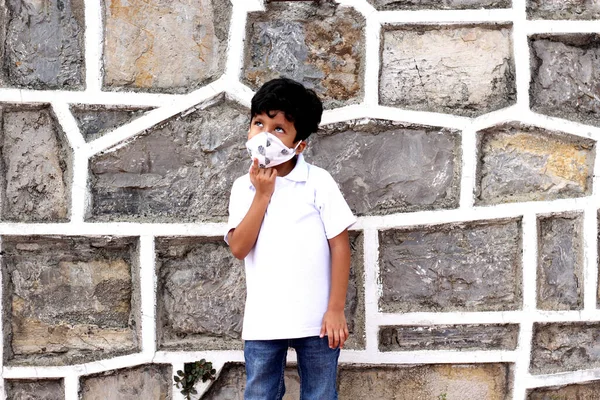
[
  {"x": 340, "y": 271},
  {"x": 243, "y": 237}
]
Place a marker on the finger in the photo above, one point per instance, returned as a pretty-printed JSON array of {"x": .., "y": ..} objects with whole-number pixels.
[
  {"x": 273, "y": 173},
  {"x": 336, "y": 338},
  {"x": 346, "y": 331},
  {"x": 343, "y": 338},
  {"x": 330, "y": 338},
  {"x": 254, "y": 166},
  {"x": 322, "y": 333}
]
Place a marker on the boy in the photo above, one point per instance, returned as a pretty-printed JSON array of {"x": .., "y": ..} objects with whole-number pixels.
[{"x": 288, "y": 221}]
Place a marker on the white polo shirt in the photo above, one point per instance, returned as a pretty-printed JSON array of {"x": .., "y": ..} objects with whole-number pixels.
[{"x": 288, "y": 272}]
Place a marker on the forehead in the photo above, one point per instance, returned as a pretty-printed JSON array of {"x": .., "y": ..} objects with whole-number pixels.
[{"x": 276, "y": 116}]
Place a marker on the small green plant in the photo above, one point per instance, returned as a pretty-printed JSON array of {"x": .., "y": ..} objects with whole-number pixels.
[
  {"x": 192, "y": 372},
  {"x": 442, "y": 397}
]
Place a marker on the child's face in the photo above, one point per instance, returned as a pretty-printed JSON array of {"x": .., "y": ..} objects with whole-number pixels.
[{"x": 278, "y": 126}]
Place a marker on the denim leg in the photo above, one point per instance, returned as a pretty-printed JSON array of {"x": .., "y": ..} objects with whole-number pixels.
[
  {"x": 317, "y": 367},
  {"x": 265, "y": 364}
]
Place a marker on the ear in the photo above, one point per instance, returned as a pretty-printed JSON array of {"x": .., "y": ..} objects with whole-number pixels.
[{"x": 301, "y": 147}]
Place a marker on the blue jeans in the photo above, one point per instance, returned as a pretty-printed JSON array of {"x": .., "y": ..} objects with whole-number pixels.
[{"x": 265, "y": 364}]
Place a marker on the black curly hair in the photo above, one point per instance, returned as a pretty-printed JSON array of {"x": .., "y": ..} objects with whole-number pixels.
[{"x": 301, "y": 106}]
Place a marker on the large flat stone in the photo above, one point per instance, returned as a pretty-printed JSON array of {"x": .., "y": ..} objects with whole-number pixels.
[
  {"x": 69, "y": 299},
  {"x": 448, "y": 337},
  {"x": 454, "y": 69},
  {"x": 435, "y": 382},
  {"x": 384, "y": 167},
  {"x": 181, "y": 170},
  {"x": 201, "y": 294},
  {"x": 563, "y": 9},
  {"x": 166, "y": 46},
  {"x": 560, "y": 262},
  {"x": 37, "y": 166},
  {"x": 319, "y": 44},
  {"x": 96, "y": 120},
  {"x": 34, "y": 389},
  {"x": 582, "y": 391},
  {"x": 565, "y": 73},
  {"x": 385, "y": 5},
  {"x": 565, "y": 346},
  {"x": 147, "y": 382},
  {"x": 43, "y": 44},
  {"x": 524, "y": 163},
  {"x": 472, "y": 266},
  {"x": 355, "y": 296}
]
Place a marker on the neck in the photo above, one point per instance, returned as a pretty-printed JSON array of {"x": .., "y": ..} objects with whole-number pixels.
[{"x": 286, "y": 167}]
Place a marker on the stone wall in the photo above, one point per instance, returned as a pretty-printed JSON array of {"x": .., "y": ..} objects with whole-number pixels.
[{"x": 461, "y": 132}]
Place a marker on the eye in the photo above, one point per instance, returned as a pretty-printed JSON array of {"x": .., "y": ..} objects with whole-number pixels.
[
  {"x": 258, "y": 123},
  {"x": 279, "y": 129}
]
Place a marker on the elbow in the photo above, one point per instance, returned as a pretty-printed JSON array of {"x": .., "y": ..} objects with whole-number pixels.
[{"x": 237, "y": 252}]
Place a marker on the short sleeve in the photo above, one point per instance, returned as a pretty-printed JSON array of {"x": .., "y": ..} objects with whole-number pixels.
[
  {"x": 335, "y": 212},
  {"x": 239, "y": 203}
]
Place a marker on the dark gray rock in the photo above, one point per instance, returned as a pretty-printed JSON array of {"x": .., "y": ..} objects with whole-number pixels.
[
  {"x": 455, "y": 267},
  {"x": 319, "y": 44},
  {"x": 355, "y": 296},
  {"x": 524, "y": 163},
  {"x": 582, "y": 391},
  {"x": 34, "y": 389},
  {"x": 69, "y": 299},
  {"x": 37, "y": 166},
  {"x": 565, "y": 72},
  {"x": 96, "y": 120},
  {"x": 560, "y": 262},
  {"x": 384, "y": 5},
  {"x": 181, "y": 170},
  {"x": 456, "y": 69},
  {"x": 563, "y": 9},
  {"x": 384, "y": 167},
  {"x": 201, "y": 294},
  {"x": 564, "y": 346},
  {"x": 147, "y": 382},
  {"x": 43, "y": 46},
  {"x": 448, "y": 337}
]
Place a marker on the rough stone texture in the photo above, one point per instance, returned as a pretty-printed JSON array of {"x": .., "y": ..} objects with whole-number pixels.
[
  {"x": 427, "y": 382},
  {"x": 455, "y": 267},
  {"x": 385, "y": 5},
  {"x": 523, "y": 163},
  {"x": 355, "y": 296},
  {"x": 319, "y": 44},
  {"x": 147, "y": 382},
  {"x": 565, "y": 73},
  {"x": 43, "y": 44},
  {"x": 68, "y": 299},
  {"x": 565, "y": 346},
  {"x": 201, "y": 294},
  {"x": 560, "y": 262},
  {"x": 563, "y": 9},
  {"x": 448, "y": 337},
  {"x": 95, "y": 120},
  {"x": 455, "y": 69},
  {"x": 384, "y": 167},
  {"x": 34, "y": 390},
  {"x": 37, "y": 166},
  {"x": 178, "y": 171},
  {"x": 584, "y": 391},
  {"x": 167, "y": 46}
]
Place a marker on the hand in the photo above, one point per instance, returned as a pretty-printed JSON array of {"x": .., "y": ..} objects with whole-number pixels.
[
  {"x": 335, "y": 327},
  {"x": 263, "y": 179}
]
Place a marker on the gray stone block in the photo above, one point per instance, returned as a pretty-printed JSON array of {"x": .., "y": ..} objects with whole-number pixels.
[
  {"x": 51, "y": 389},
  {"x": 181, "y": 170},
  {"x": 36, "y": 160},
  {"x": 524, "y": 163},
  {"x": 201, "y": 294},
  {"x": 472, "y": 266},
  {"x": 96, "y": 120},
  {"x": 564, "y": 346},
  {"x": 385, "y": 5},
  {"x": 454, "y": 69},
  {"x": 449, "y": 337},
  {"x": 565, "y": 72},
  {"x": 563, "y": 9},
  {"x": 384, "y": 167},
  {"x": 164, "y": 46},
  {"x": 459, "y": 381},
  {"x": 319, "y": 44},
  {"x": 560, "y": 262},
  {"x": 69, "y": 300},
  {"x": 355, "y": 296},
  {"x": 147, "y": 382},
  {"x": 43, "y": 44},
  {"x": 582, "y": 391}
]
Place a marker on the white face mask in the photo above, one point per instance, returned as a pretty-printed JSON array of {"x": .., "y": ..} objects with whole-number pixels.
[{"x": 269, "y": 150}]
